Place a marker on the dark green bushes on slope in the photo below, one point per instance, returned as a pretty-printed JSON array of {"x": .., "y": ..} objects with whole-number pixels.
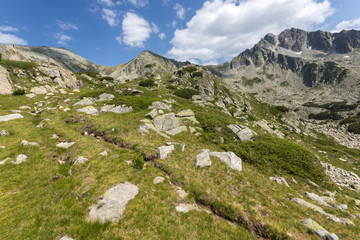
[{"x": 186, "y": 93}]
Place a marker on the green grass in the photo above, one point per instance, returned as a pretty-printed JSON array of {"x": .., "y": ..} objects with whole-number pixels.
[{"x": 17, "y": 64}]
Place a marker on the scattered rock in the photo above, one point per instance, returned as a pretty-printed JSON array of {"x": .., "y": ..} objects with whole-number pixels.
[
  {"x": 166, "y": 122},
  {"x": 185, "y": 113},
  {"x": 160, "y": 105},
  {"x": 165, "y": 150},
  {"x": 26, "y": 143},
  {"x": 342, "y": 177},
  {"x": 319, "y": 230},
  {"x": 113, "y": 203},
  {"x": 10, "y": 117},
  {"x": 89, "y": 110},
  {"x": 24, "y": 107},
  {"x": 181, "y": 192},
  {"x": 84, "y": 102},
  {"x": 317, "y": 199},
  {"x": 203, "y": 159},
  {"x": 54, "y": 136},
  {"x": 104, "y": 154},
  {"x": 65, "y": 145},
  {"x": 177, "y": 130},
  {"x": 4, "y": 133},
  {"x": 244, "y": 133},
  {"x": 81, "y": 159},
  {"x": 293, "y": 180},
  {"x": 105, "y": 97},
  {"x": 152, "y": 114},
  {"x": 184, "y": 208},
  {"x": 4, "y": 161},
  {"x": 30, "y": 95},
  {"x": 229, "y": 158},
  {"x": 20, "y": 159},
  {"x": 158, "y": 180},
  {"x": 66, "y": 238},
  {"x": 121, "y": 109},
  {"x": 279, "y": 180},
  {"x": 5, "y": 82},
  {"x": 106, "y": 108},
  {"x": 39, "y": 90}
]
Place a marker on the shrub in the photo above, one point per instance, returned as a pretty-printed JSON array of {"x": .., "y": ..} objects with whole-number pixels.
[
  {"x": 325, "y": 116},
  {"x": 18, "y": 92},
  {"x": 138, "y": 162},
  {"x": 18, "y": 64},
  {"x": 186, "y": 93},
  {"x": 355, "y": 119},
  {"x": 106, "y": 78},
  {"x": 190, "y": 69},
  {"x": 197, "y": 74},
  {"x": 282, "y": 109},
  {"x": 354, "y": 128},
  {"x": 149, "y": 65},
  {"x": 251, "y": 82},
  {"x": 147, "y": 83},
  {"x": 0, "y": 56}
]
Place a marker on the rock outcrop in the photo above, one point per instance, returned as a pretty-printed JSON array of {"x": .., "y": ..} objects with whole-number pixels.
[{"x": 5, "y": 82}]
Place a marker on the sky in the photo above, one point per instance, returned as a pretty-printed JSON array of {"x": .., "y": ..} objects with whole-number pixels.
[{"x": 112, "y": 32}]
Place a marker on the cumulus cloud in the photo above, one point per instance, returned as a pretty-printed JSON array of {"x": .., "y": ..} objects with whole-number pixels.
[
  {"x": 154, "y": 28},
  {"x": 162, "y": 36},
  {"x": 139, "y": 3},
  {"x": 62, "y": 38},
  {"x": 221, "y": 29},
  {"x": 136, "y": 30},
  {"x": 180, "y": 11},
  {"x": 6, "y": 38},
  {"x": 66, "y": 26},
  {"x": 110, "y": 16},
  {"x": 347, "y": 25},
  {"x": 8, "y": 29},
  {"x": 108, "y": 3}
]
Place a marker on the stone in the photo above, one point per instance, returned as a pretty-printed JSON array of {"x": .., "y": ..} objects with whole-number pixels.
[
  {"x": 39, "y": 90},
  {"x": 158, "y": 180},
  {"x": 81, "y": 159},
  {"x": 181, "y": 192},
  {"x": 184, "y": 208},
  {"x": 105, "y": 97},
  {"x": 166, "y": 122},
  {"x": 106, "y": 108},
  {"x": 65, "y": 145},
  {"x": 54, "y": 136},
  {"x": 20, "y": 159},
  {"x": 5, "y": 82},
  {"x": 89, "y": 110},
  {"x": 152, "y": 114},
  {"x": 165, "y": 150},
  {"x": 319, "y": 230},
  {"x": 24, "y": 107},
  {"x": 229, "y": 158},
  {"x": 113, "y": 203},
  {"x": 84, "y": 102},
  {"x": 30, "y": 95},
  {"x": 104, "y": 154},
  {"x": 293, "y": 180},
  {"x": 26, "y": 143},
  {"x": 160, "y": 105},
  {"x": 66, "y": 238},
  {"x": 177, "y": 130},
  {"x": 279, "y": 180},
  {"x": 203, "y": 159},
  {"x": 121, "y": 109},
  {"x": 244, "y": 133},
  {"x": 10, "y": 117},
  {"x": 316, "y": 198},
  {"x": 4, "y": 133},
  {"x": 185, "y": 113},
  {"x": 4, "y": 161},
  {"x": 342, "y": 177},
  {"x": 343, "y": 206}
]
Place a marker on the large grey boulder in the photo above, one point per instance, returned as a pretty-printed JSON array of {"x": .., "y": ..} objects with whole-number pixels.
[
  {"x": 152, "y": 114},
  {"x": 5, "y": 82},
  {"x": 160, "y": 105},
  {"x": 105, "y": 97},
  {"x": 229, "y": 158},
  {"x": 244, "y": 133},
  {"x": 10, "y": 117},
  {"x": 165, "y": 150},
  {"x": 20, "y": 159},
  {"x": 121, "y": 109},
  {"x": 166, "y": 122},
  {"x": 113, "y": 203},
  {"x": 319, "y": 230},
  {"x": 185, "y": 113},
  {"x": 177, "y": 130},
  {"x": 84, "y": 102},
  {"x": 203, "y": 159},
  {"x": 91, "y": 110}
]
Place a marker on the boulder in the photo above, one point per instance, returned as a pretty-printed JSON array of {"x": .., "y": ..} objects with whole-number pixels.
[
  {"x": 203, "y": 159},
  {"x": 165, "y": 150},
  {"x": 229, "y": 158},
  {"x": 152, "y": 114},
  {"x": 39, "y": 90},
  {"x": 181, "y": 192},
  {"x": 184, "y": 208},
  {"x": 316, "y": 198},
  {"x": 158, "y": 180},
  {"x": 10, "y": 117},
  {"x": 166, "y": 122},
  {"x": 319, "y": 230},
  {"x": 4, "y": 133},
  {"x": 66, "y": 238},
  {"x": 4, "y": 161},
  {"x": 84, "y": 102},
  {"x": 244, "y": 133},
  {"x": 160, "y": 105},
  {"x": 81, "y": 159},
  {"x": 89, "y": 110},
  {"x": 279, "y": 180},
  {"x": 26, "y": 143},
  {"x": 185, "y": 113},
  {"x": 30, "y": 95},
  {"x": 177, "y": 130},
  {"x": 105, "y": 97},
  {"x": 65, "y": 145},
  {"x": 20, "y": 159},
  {"x": 112, "y": 205},
  {"x": 121, "y": 109},
  {"x": 104, "y": 154},
  {"x": 5, "y": 82},
  {"x": 106, "y": 108}
]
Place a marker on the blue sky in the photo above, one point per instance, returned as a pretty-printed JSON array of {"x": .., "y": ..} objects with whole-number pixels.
[{"x": 111, "y": 32}]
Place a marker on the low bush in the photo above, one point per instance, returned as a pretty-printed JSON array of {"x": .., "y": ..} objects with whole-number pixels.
[
  {"x": 282, "y": 109},
  {"x": 138, "y": 162},
  {"x": 197, "y": 74},
  {"x": 186, "y": 93},
  {"x": 18, "y": 92},
  {"x": 325, "y": 116},
  {"x": 147, "y": 83},
  {"x": 354, "y": 128},
  {"x": 18, "y": 64},
  {"x": 106, "y": 78},
  {"x": 190, "y": 69}
]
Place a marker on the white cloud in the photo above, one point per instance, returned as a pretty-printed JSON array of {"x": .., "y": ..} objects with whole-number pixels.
[
  {"x": 136, "y": 30},
  {"x": 118, "y": 39},
  {"x": 180, "y": 11},
  {"x": 139, "y": 3},
  {"x": 66, "y": 26},
  {"x": 154, "y": 28},
  {"x": 108, "y": 3},
  {"x": 221, "y": 29},
  {"x": 162, "y": 36},
  {"x": 347, "y": 25},
  {"x": 6, "y": 38},
  {"x": 110, "y": 16},
  {"x": 173, "y": 23},
  {"x": 165, "y": 2},
  {"x": 8, "y": 29},
  {"x": 62, "y": 38}
]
